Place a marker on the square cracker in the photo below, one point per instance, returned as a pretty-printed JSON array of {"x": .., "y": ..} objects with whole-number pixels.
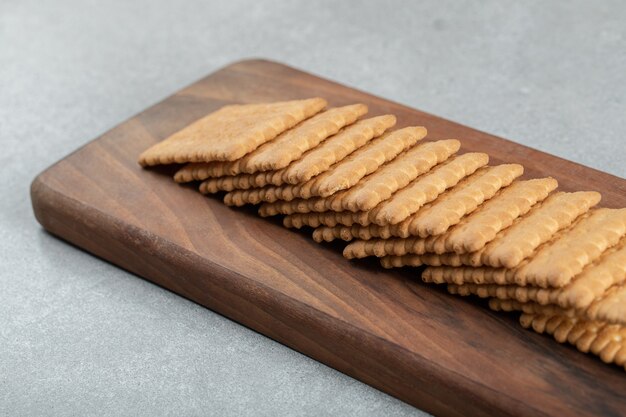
[
  {"x": 231, "y": 132},
  {"x": 341, "y": 176},
  {"x": 313, "y": 162},
  {"x": 482, "y": 225},
  {"x": 584, "y": 289},
  {"x": 381, "y": 184},
  {"x": 608, "y": 341},
  {"x": 555, "y": 263},
  {"x": 609, "y": 308},
  {"x": 278, "y": 152},
  {"x": 447, "y": 210},
  {"x": 400, "y": 205},
  {"x": 510, "y": 246}
]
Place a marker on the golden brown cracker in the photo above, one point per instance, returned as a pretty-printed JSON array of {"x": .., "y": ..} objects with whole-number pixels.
[
  {"x": 347, "y": 233},
  {"x": 473, "y": 231},
  {"x": 609, "y": 270},
  {"x": 292, "y": 144},
  {"x": 304, "y": 206},
  {"x": 198, "y": 171},
  {"x": 476, "y": 229},
  {"x": 557, "y": 262},
  {"x": 241, "y": 182},
  {"x": 311, "y": 163},
  {"x": 608, "y": 341},
  {"x": 396, "y": 174},
  {"x": 336, "y": 148},
  {"x": 281, "y": 207},
  {"x": 427, "y": 188},
  {"x": 430, "y": 259},
  {"x": 610, "y": 307},
  {"x": 238, "y": 198},
  {"x": 437, "y": 217},
  {"x": 400, "y": 261},
  {"x": 231, "y": 132},
  {"x": 328, "y": 218},
  {"x": 463, "y": 275},
  {"x": 379, "y": 185},
  {"x": 497, "y": 304},
  {"x": 328, "y": 234},
  {"x": 384, "y": 247},
  {"x": 496, "y": 214},
  {"x": 596, "y": 290},
  {"x": 519, "y": 241},
  {"x": 364, "y": 161},
  {"x": 279, "y": 152},
  {"x": 503, "y": 292},
  {"x": 342, "y": 175}
]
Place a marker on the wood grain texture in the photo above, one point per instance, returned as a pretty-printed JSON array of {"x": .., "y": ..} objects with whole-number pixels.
[{"x": 446, "y": 355}]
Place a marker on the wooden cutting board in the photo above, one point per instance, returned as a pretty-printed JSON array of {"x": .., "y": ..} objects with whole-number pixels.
[{"x": 443, "y": 354}]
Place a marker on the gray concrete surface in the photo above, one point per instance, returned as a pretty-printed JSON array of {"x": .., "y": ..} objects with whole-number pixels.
[{"x": 81, "y": 337}]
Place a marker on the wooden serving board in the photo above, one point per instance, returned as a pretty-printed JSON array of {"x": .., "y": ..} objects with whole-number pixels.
[{"x": 444, "y": 354}]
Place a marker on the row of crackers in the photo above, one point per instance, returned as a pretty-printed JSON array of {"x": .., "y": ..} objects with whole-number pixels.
[{"x": 476, "y": 227}]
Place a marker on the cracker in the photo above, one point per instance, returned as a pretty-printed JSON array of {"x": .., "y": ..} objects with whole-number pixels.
[
  {"x": 282, "y": 150},
  {"x": 345, "y": 233},
  {"x": 482, "y": 225},
  {"x": 342, "y": 175},
  {"x": 400, "y": 261},
  {"x": 319, "y": 158},
  {"x": 596, "y": 278},
  {"x": 430, "y": 259},
  {"x": 598, "y": 288},
  {"x": 448, "y": 210},
  {"x": 424, "y": 189},
  {"x": 240, "y": 198},
  {"x": 437, "y": 217},
  {"x": 279, "y": 207},
  {"x": 363, "y": 162},
  {"x": 608, "y": 341},
  {"x": 231, "y": 132},
  {"x": 292, "y": 144},
  {"x": 496, "y": 214},
  {"x": 475, "y": 230},
  {"x": 396, "y": 174},
  {"x": 556, "y": 263},
  {"x": 519, "y": 241},
  {"x": 384, "y": 247},
  {"x": 497, "y": 304},
  {"x": 608, "y": 309},
  {"x": 336, "y": 148},
  {"x": 314, "y": 219},
  {"x": 427, "y": 187},
  {"x": 328, "y": 234},
  {"x": 240, "y": 182},
  {"x": 305, "y": 206},
  {"x": 503, "y": 292},
  {"x": 381, "y": 184}
]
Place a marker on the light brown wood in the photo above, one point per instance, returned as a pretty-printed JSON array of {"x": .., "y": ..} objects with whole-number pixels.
[{"x": 446, "y": 355}]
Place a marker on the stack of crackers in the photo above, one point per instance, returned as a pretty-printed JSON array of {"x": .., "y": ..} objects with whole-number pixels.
[{"x": 475, "y": 227}]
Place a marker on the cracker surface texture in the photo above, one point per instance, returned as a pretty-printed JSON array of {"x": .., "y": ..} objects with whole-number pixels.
[{"x": 231, "y": 132}]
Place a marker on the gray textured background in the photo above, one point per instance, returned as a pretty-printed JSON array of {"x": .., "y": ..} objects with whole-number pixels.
[{"x": 81, "y": 337}]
